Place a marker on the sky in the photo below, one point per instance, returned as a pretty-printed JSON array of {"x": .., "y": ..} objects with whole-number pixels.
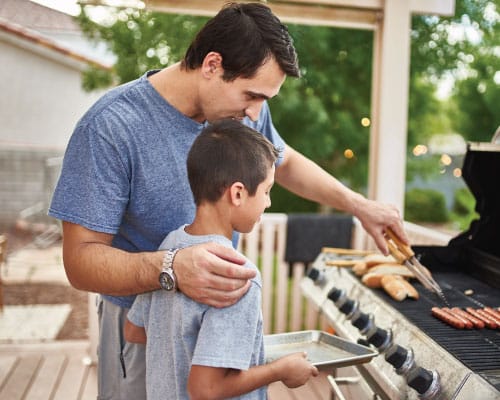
[{"x": 67, "y": 6}]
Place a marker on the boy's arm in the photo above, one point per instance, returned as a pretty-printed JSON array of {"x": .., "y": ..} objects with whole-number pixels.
[
  {"x": 133, "y": 333},
  {"x": 207, "y": 383}
]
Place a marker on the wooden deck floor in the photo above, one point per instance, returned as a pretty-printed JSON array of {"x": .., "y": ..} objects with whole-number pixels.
[
  {"x": 47, "y": 371},
  {"x": 61, "y": 371}
]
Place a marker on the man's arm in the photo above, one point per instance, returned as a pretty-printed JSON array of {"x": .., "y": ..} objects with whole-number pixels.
[
  {"x": 208, "y": 273},
  {"x": 207, "y": 383},
  {"x": 306, "y": 179}
]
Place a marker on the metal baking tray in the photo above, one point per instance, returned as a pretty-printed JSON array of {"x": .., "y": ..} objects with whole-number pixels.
[{"x": 323, "y": 349}]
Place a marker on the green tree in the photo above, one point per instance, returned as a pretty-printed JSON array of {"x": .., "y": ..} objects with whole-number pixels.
[{"x": 320, "y": 114}]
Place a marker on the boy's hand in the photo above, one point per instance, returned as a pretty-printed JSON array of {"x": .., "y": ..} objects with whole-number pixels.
[
  {"x": 212, "y": 274},
  {"x": 296, "y": 369}
]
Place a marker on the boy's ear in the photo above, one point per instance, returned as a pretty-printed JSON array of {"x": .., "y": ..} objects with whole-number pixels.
[{"x": 238, "y": 193}]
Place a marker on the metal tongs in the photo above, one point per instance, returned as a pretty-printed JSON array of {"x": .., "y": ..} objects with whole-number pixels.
[{"x": 405, "y": 255}]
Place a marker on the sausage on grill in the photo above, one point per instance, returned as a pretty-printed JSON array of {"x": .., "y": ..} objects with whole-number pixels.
[
  {"x": 467, "y": 322},
  {"x": 448, "y": 318},
  {"x": 478, "y": 324},
  {"x": 488, "y": 321},
  {"x": 491, "y": 317},
  {"x": 494, "y": 314}
]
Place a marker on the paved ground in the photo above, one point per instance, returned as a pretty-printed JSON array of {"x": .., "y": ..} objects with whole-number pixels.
[
  {"x": 39, "y": 303},
  {"x": 34, "y": 265}
]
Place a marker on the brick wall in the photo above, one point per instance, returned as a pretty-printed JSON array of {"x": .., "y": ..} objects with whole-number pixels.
[{"x": 27, "y": 178}]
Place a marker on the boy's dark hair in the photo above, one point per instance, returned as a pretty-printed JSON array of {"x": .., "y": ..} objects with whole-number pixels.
[
  {"x": 226, "y": 152},
  {"x": 246, "y": 35}
]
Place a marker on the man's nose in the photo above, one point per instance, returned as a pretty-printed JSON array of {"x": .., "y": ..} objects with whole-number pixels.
[{"x": 253, "y": 110}]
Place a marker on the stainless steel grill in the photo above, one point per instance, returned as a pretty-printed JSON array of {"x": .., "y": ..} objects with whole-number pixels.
[
  {"x": 415, "y": 359},
  {"x": 420, "y": 356}
]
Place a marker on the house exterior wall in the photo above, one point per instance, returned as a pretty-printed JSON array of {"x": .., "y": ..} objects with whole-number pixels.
[
  {"x": 41, "y": 100},
  {"x": 41, "y": 97}
]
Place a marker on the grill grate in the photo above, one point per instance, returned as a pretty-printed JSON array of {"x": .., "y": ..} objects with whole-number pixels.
[{"x": 479, "y": 349}]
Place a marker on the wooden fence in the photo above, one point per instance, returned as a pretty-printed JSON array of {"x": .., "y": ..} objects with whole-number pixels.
[{"x": 284, "y": 308}]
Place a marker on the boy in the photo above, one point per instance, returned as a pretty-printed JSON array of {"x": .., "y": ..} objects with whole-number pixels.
[{"x": 194, "y": 350}]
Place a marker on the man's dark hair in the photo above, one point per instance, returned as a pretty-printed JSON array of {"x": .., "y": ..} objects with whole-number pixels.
[
  {"x": 226, "y": 152},
  {"x": 246, "y": 35}
]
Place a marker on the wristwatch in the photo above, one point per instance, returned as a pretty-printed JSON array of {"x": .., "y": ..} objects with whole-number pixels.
[{"x": 167, "y": 276}]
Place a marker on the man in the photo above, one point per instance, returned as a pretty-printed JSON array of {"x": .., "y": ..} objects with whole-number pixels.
[{"x": 123, "y": 185}]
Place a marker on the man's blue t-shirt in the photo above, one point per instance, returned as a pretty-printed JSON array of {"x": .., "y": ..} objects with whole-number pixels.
[{"x": 124, "y": 171}]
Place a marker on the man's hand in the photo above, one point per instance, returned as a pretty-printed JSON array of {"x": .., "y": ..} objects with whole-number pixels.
[
  {"x": 212, "y": 274},
  {"x": 376, "y": 217}
]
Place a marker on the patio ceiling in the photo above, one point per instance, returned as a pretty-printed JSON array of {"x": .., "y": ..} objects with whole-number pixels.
[{"x": 391, "y": 22}]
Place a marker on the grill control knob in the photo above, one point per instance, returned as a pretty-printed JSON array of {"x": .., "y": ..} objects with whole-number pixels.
[
  {"x": 362, "y": 321},
  {"x": 316, "y": 276},
  {"x": 400, "y": 358},
  {"x": 335, "y": 294},
  {"x": 425, "y": 382},
  {"x": 348, "y": 307},
  {"x": 380, "y": 338}
]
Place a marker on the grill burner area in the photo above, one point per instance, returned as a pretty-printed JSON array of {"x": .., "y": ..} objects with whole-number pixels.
[
  {"x": 420, "y": 357},
  {"x": 478, "y": 349}
]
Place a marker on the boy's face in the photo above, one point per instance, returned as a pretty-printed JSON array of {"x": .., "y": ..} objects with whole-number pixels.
[
  {"x": 254, "y": 206},
  {"x": 242, "y": 97}
]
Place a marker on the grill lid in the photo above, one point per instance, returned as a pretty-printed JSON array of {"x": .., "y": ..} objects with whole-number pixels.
[{"x": 481, "y": 173}]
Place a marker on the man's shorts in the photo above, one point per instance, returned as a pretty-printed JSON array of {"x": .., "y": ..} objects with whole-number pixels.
[{"x": 121, "y": 365}]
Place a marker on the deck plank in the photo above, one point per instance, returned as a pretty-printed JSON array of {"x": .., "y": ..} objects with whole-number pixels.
[
  {"x": 20, "y": 379},
  {"x": 46, "y": 371},
  {"x": 72, "y": 380},
  {"x": 6, "y": 366},
  {"x": 89, "y": 391},
  {"x": 49, "y": 373}
]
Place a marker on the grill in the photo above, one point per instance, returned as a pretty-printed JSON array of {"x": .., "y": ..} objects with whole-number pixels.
[{"x": 420, "y": 356}]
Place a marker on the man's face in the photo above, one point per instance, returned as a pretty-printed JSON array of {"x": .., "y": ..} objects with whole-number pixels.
[{"x": 241, "y": 97}]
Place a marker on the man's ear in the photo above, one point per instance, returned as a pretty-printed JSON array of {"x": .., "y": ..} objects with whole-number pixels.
[
  {"x": 212, "y": 63},
  {"x": 238, "y": 193}
]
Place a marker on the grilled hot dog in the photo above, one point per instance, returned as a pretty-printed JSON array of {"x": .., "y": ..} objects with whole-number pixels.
[
  {"x": 478, "y": 324},
  {"x": 448, "y": 318},
  {"x": 494, "y": 314},
  {"x": 488, "y": 321},
  {"x": 467, "y": 322}
]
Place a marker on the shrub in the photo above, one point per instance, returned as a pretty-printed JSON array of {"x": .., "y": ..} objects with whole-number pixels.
[
  {"x": 463, "y": 202},
  {"x": 425, "y": 205}
]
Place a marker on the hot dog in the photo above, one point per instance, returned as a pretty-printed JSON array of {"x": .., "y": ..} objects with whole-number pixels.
[
  {"x": 495, "y": 314},
  {"x": 467, "y": 322},
  {"x": 478, "y": 324},
  {"x": 492, "y": 318},
  {"x": 448, "y": 318},
  {"x": 488, "y": 321}
]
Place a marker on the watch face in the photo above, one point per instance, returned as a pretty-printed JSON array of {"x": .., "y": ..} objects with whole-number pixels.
[{"x": 166, "y": 281}]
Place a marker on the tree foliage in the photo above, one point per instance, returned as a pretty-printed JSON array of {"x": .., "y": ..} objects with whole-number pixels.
[{"x": 320, "y": 114}]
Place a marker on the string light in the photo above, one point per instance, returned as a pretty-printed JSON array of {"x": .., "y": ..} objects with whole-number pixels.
[
  {"x": 445, "y": 159},
  {"x": 348, "y": 153},
  {"x": 419, "y": 149}
]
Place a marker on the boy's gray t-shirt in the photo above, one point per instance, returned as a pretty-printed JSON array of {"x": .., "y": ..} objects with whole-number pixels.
[
  {"x": 124, "y": 171},
  {"x": 182, "y": 332}
]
